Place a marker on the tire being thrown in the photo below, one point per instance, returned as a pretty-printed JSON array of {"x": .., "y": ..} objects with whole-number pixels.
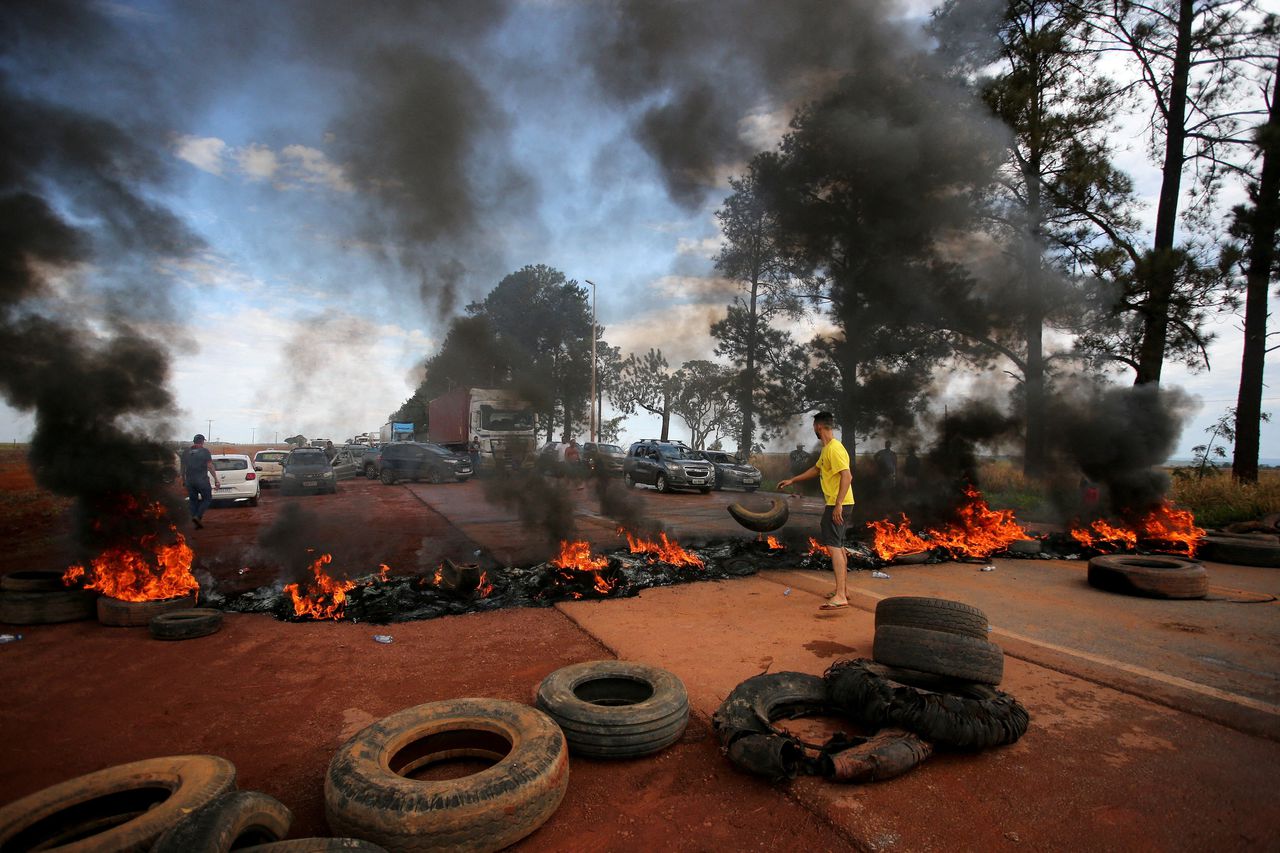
[
  {"x": 934, "y": 614},
  {"x": 963, "y": 716},
  {"x": 939, "y": 653},
  {"x": 46, "y": 608},
  {"x": 186, "y": 624},
  {"x": 1149, "y": 576},
  {"x": 762, "y": 522},
  {"x": 370, "y": 793},
  {"x": 122, "y": 808},
  {"x": 615, "y": 709},
  {"x": 232, "y": 821}
]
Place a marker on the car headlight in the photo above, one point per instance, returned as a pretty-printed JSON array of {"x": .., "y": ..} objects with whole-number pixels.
[{"x": 327, "y": 474}]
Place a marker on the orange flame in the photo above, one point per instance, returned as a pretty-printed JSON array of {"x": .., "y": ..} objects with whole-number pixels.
[
  {"x": 816, "y": 548},
  {"x": 662, "y": 550},
  {"x": 439, "y": 578},
  {"x": 146, "y": 569},
  {"x": 979, "y": 532},
  {"x": 325, "y": 598},
  {"x": 892, "y": 540},
  {"x": 1168, "y": 528},
  {"x": 774, "y": 544},
  {"x": 384, "y": 572},
  {"x": 485, "y": 587},
  {"x": 575, "y": 557}
]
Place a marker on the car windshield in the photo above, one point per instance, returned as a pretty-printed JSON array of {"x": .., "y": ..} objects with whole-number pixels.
[
  {"x": 711, "y": 456},
  {"x": 505, "y": 420},
  {"x": 230, "y": 464},
  {"x": 609, "y": 448},
  {"x": 311, "y": 457},
  {"x": 268, "y": 456},
  {"x": 671, "y": 451}
]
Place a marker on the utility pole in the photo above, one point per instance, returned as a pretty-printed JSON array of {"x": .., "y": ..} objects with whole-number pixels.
[
  {"x": 209, "y": 430},
  {"x": 592, "y": 402},
  {"x": 253, "y": 435}
]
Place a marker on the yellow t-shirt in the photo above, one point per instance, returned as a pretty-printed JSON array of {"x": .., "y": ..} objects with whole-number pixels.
[{"x": 834, "y": 459}]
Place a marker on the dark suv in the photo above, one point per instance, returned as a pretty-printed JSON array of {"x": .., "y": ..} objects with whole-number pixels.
[
  {"x": 421, "y": 460},
  {"x": 666, "y": 465}
]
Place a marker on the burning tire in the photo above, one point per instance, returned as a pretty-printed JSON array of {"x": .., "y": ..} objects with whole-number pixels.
[
  {"x": 186, "y": 624},
  {"x": 1241, "y": 551},
  {"x": 117, "y": 613},
  {"x": 36, "y": 580},
  {"x": 615, "y": 709},
  {"x": 934, "y": 614},
  {"x": 956, "y": 715},
  {"x": 1152, "y": 577},
  {"x": 370, "y": 791},
  {"x": 315, "y": 845},
  {"x": 939, "y": 653},
  {"x": 235, "y": 819},
  {"x": 762, "y": 522},
  {"x": 117, "y": 809},
  {"x": 46, "y": 608}
]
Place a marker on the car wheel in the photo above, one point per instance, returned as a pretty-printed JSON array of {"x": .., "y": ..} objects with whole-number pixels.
[
  {"x": 629, "y": 481},
  {"x": 661, "y": 484},
  {"x": 369, "y": 473},
  {"x": 387, "y": 478},
  {"x": 435, "y": 477}
]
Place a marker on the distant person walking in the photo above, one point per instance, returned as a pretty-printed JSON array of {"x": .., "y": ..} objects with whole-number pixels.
[
  {"x": 799, "y": 460},
  {"x": 887, "y": 466},
  {"x": 836, "y": 478},
  {"x": 474, "y": 450},
  {"x": 573, "y": 461},
  {"x": 197, "y": 466}
]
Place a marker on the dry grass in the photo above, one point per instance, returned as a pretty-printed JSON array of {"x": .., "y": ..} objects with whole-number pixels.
[{"x": 1218, "y": 499}]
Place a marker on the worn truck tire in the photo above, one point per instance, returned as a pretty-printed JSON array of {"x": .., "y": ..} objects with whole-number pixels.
[
  {"x": 33, "y": 580},
  {"x": 614, "y": 708},
  {"x": 1151, "y": 577},
  {"x": 1240, "y": 551},
  {"x": 122, "y": 808},
  {"x": 369, "y": 795},
  {"x": 940, "y": 653},
  {"x": 762, "y": 522},
  {"x": 743, "y": 722},
  {"x": 46, "y": 608},
  {"x": 186, "y": 624},
  {"x": 117, "y": 613},
  {"x": 315, "y": 845},
  {"x": 934, "y": 614},
  {"x": 958, "y": 716},
  {"x": 235, "y": 819}
]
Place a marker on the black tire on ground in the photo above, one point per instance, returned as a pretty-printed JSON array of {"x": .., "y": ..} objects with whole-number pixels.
[
  {"x": 235, "y": 819},
  {"x": 387, "y": 477},
  {"x": 185, "y": 624},
  {"x": 1148, "y": 576},
  {"x": 126, "y": 807},
  {"x": 34, "y": 580},
  {"x": 661, "y": 483},
  {"x": 939, "y": 653},
  {"x": 435, "y": 477},
  {"x": 629, "y": 481},
  {"x": 935, "y": 614},
  {"x": 615, "y": 709},
  {"x": 116, "y": 613},
  {"x": 743, "y": 721},
  {"x": 369, "y": 791},
  {"x": 46, "y": 608},
  {"x": 766, "y": 521},
  {"x": 956, "y": 715},
  {"x": 315, "y": 845},
  {"x": 1239, "y": 552}
]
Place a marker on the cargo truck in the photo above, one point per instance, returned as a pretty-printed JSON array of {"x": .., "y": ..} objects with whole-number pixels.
[
  {"x": 503, "y": 422},
  {"x": 395, "y": 431}
]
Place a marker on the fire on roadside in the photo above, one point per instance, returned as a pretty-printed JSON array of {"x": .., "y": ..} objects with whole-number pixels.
[
  {"x": 323, "y": 597},
  {"x": 485, "y": 586},
  {"x": 978, "y": 531},
  {"x": 1165, "y": 528},
  {"x": 816, "y": 548},
  {"x": 575, "y": 560},
  {"x": 892, "y": 540},
  {"x": 145, "y": 568},
  {"x": 774, "y": 544},
  {"x": 662, "y": 549}
]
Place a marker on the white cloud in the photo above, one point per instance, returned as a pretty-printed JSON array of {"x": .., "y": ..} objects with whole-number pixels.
[
  {"x": 313, "y": 167},
  {"x": 707, "y": 247},
  {"x": 681, "y": 333},
  {"x": 258, "y": 162},
  {"x": 204, "y": 152}
]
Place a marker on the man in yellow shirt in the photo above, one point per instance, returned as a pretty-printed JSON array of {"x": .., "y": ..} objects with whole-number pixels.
[{"x": 837, "y": 487}]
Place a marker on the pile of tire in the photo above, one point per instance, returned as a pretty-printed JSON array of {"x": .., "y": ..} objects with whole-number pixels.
[
  {"x": 1149, "y": 576},
  {"x": 1241, "y": 549},
  {"x": 940, "y": 638},
  {"x": 40, "y": 598}
]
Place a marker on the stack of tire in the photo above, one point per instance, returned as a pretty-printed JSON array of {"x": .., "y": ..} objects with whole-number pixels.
[
  {"x": 938, "y": 638},
  {"x": 40, "y": 598}
]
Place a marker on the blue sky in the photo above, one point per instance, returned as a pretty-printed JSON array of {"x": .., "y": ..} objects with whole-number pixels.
[{"x": 302, "y": 312}]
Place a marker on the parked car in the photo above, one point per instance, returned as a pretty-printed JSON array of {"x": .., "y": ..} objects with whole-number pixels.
[
  {"x": 666, "y": 465},
  {"x": 357, "y": 451},
  {"x": 603, "y": 457},
  {"x": 371, "y": 462},
  {"x": 237, "y": 481},
  {"x": 345, "y": 465},
  {"x": 730, "y": 473},
  {"x": 551, "y": 458},
  {"x": 270, "y": 466},
  {"x": 307, "y": 469},
  {"x": 421, "y": 460}
]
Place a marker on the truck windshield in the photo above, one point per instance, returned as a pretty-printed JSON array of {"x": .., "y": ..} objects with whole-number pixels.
[{"x": 505, "y": 420}]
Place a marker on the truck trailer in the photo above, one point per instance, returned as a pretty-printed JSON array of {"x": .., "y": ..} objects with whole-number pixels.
[
  {"x": 395, "y": 431},
  {"x": 504, "y": 423}
]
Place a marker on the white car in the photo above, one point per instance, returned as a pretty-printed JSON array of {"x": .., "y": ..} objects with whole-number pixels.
[
  {"x": 237, "y": 481},
  {"x": 270, "y": 466}
]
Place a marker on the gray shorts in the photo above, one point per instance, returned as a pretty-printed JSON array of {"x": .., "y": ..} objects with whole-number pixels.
[{"x": 832, "y": 535}]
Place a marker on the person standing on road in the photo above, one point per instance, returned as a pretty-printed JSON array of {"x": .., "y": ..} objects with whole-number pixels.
[
  {"x": 474, "y": 449},
  {"x": 836, "y": 478},
  {"x": 573, "y": 461},
  {"x": 197, "y": 467},
  {"x": 887, "y": 466}
]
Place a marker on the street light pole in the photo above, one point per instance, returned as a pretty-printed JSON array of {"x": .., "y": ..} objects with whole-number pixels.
[
  {"x": 592, "y": 401},
  {"x": 209, "y": 429},
  {"x": 253, "y": 435}
]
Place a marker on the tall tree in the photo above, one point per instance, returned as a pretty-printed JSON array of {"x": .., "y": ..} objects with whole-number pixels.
[
  {"x": 705, "y": 399},
  {"x": 1188, "y": 58},
  {"x": 1258, "y": 225},
  {"x": 648, "y": 383},
  {"x": 754, "y": 256}
]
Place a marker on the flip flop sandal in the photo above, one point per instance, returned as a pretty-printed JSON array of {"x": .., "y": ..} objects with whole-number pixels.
[{"x": 830, "y": 606}]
